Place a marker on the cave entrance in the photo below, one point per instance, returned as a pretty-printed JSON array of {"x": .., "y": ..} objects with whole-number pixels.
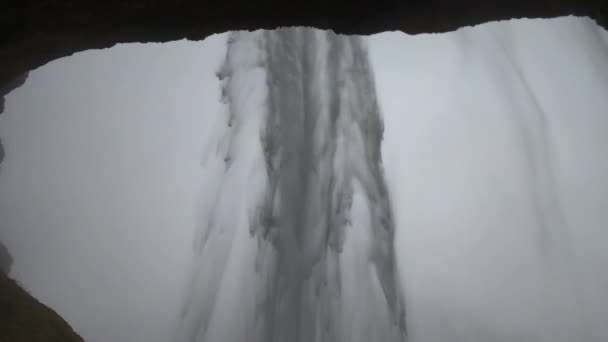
[{"x": 102, "y": 184}]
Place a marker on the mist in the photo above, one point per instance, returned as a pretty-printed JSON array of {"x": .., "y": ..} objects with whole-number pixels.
[
  {"x": 101, "y": 182},
  {"x": 493, "y": 154},
  {"x": 298, "y": 242}
]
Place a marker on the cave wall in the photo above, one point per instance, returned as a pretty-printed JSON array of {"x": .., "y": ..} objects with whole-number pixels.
[{"x": 34, "y": 32}]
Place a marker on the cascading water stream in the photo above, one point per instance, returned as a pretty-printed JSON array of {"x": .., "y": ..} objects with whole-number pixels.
[{"x": 298, "y": 244}]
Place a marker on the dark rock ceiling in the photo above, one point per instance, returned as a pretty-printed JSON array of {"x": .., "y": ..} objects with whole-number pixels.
[{"x": 34, "y": 32}]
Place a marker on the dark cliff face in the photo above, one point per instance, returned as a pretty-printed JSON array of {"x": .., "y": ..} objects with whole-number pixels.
[{"x": 34, "y": 32}]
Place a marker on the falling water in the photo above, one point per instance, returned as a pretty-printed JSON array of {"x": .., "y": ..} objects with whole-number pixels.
[{"x": 297, "y": 243}]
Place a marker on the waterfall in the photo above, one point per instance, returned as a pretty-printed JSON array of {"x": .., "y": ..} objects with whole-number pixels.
[{"x": 297, "y": 241}]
